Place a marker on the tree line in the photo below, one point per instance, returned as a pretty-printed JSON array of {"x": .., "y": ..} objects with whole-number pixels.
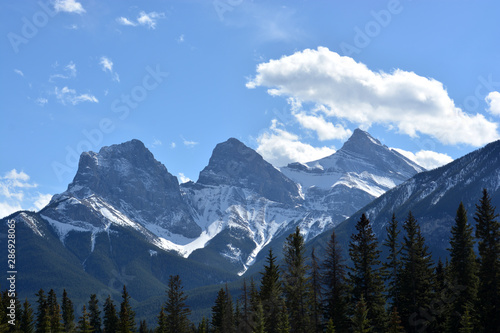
[{"x": 404, "y": 292}]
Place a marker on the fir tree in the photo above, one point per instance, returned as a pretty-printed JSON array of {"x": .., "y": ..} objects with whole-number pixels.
[
  {"x": 296, "y": 283},
  {"x": 395, "y": 322},
  {"x": 84, "y": 323},
  {"x": 243, "y": 324},
  {"x": 360, "y": 321},
  {"x": 222, "y": 313},
  {"x": 316, "y": 312},
  {"x": 110, "y": 316},
  {"x": 94, "y": 314},
  {"x": 126, "y": 322},
  {"x": 463, "y": 267},
  {"x": 441, "y": 312},
  {"x": 162, "y": 321},
  {"x": 68, "y": 313},
  {"x": 466, "y": 322},
  {"x": 365, "y": 276},
  {"x": 143, "y": 327},
  {"x": 283, "y": 322},
  {"x": 488, "y": 235},
  {"x": 392, "y": 265},
  {"x": 330, "y": 327},
  {"x": 415, "y": 278},
  {"x": 26, "y": 323},
  {"x": 176, "y": 309},
  {"x": 42, "y": 316},
  {"x": 259, "y": 318},
  {"x": 335, "y": 286},
  {"x": 271, "y": 293},
  {"x": 54, "y": 312},
  {"x": 203, "y": 326}
]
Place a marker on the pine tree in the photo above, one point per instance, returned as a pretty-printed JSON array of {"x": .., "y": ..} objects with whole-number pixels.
[
  {"x": 222, "y": 313},
  {"x": 68, "y": 313},
  {"x": 42, "y": 316},
  {"x": 94, "y": 314},
  {"x": 283, "y": 322},
  {"x": 415, "y": 278},
  {"x": 296, "y": 283},
  {"x": 26, "y": 324},
  {"x": 365, "y": 275},
  {"x": 466, "y": 322},
  {"x": 315, "y": 293},
  {"x": 203, "y": 326},
  {"x": 126, "y": 323},
  {"x": 463, "y": 267},
  {"x": 259, "y": 318},
  {"x": 176, "y": 309},
  {"x": 488, "y": 235},
  {"x": 330, "y": 327},
  {"x": 392, "y": 265},
  {"x": 360, "y": 321},
  {"x": 143, "y": 327},
  {"x": 84, "y": 323},
  {"x": 243, "y": 324},
  {"x": 271, "y": 293},
  {"x": 54, "y": 312},
  {"x": 335, "y": 286},
  {"x": 110, "y": 317},
  {"x": 442, "y": 311},
  {"x": 395, "y": 322},
  {"x": 162, "y": 321}
]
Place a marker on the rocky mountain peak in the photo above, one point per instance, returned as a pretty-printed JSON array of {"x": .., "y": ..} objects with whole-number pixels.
[{"x": 233, "y": 163}]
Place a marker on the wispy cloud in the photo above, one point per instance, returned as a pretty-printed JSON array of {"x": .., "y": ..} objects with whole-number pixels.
[
  {"x": 107, "y": 66},
  {"x": 69, "y": 72},
  {"x": 68, "y": 6},
  {"x": 41, "y": 101},
  {"x": 17, "y": 193},
  {"x": 19, "y": 72},
  {"x": 156, "y": 143},
  {"x": 181, "y": 38},
  {"x": 69, "y": 96},
  {"x": 144, "y": 19},
  {"x": 189, "y": 143}
]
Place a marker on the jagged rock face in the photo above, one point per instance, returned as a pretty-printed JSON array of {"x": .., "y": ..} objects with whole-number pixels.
[
  {"x": 232, "y": 163},
  {"x": 128, "y": 177}
]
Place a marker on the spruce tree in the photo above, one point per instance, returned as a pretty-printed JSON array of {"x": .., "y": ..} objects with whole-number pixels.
[
  {"x": 222, "y": 313},
  {"x": 330, "y": 327},
  {"x": 176, "y": 309},
  {"x": 283, "y": 321},
  {"x": 126, "y": 322},
  {"x": 335, "y": 292},
  {"x": 203, "y": 326},
  {"x": 395, "y": 322},
  {"x": 463, "y": 267},
  {"x": 162, "y": 321},
  {"x": 68, "y": 313},
  {"x": 488, "y": 235},
  {"x": 243, "y": 325},
  {"x": 111, "y": 320},
  {"x": 271, "y": 293},
  {"x": 466, "y": 322},
  {"x": 392, "y": 265},
  {"x": 315, "y": 295},
  {"x": 416, "y": 278},
  {"x": 54, "y": 312},
  {"x": 84, "y": 322},
  {"x": 442, "y": 311},
  {"x": 360, "y": 321},
  {"x": 143, "y": 327},
  {"x": 296, "y": 282},
  {"x": 365, "y": 275},
  {"x": 26, "y": 324},
  {"x": 94, "y": 314},
  {"x": 42, "y": 316}
]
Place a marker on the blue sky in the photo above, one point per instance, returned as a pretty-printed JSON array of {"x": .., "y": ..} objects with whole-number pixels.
[{"x": 291, "y": 79}]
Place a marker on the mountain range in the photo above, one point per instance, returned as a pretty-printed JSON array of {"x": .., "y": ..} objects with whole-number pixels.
[{"x": 125, "y": 219}]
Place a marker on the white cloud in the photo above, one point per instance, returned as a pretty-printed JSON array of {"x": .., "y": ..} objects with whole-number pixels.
[
  {"x": 144, "y": 19},
  {"x": 15, "y": 193},
  {"x": 42, "y": 200},
  {"x": 125, "y": 21},
  {"x": 324, "y": 129},
  {"x": 66, "y": 95},
  {"x": 172, "y": 145},
  {"x": 346, "y": 89},
  {"x": 69, "y": 70},
  {"x": 181, "y": 38},
  {"x": 188, "y": 143},
  {"x": 183, "y": 178},
  {"x": 156, "y": 143},
  {"x": 426, "y": 158},
  {"x": 41, "y": 101},
  {"x": 19, "y": 72},
  {"x": 279, "y": 147},
  {"x": 107, "y": 66},
  {"x": 493, "y": 100},
  {"x": 68, "y": 6}
]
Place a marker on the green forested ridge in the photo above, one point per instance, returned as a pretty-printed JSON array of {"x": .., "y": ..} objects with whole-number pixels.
[{"x": 310, "y": 293}]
